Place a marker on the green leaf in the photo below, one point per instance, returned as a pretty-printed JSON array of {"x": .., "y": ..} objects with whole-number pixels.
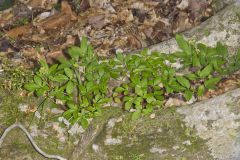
[
  {"x": 138, "y": 90},
  {"x": 119, "y": 89},
  {"x": 40, "y": 92},
  {"x": 214, "y": 63},
  {"x": 158, "y": 103},
  {"x": 114, "y": 74},
  {"x": 127, "y": 98},
  {"x": 84, "y": 45},
  {"x": 74, "y": 52},
  {"x": 148, "y": 109},
  {"x": 82, "y": 89},
  {"x": 159, "y": 98},
  {"x": 157, "y": 81},
  {"x": 188, "y": 95},
  {"x": 44, "y": 67},
  {"x": 85, "y": 102},
  {"x": 158, "y": 92},
  {"x": 195, "y": 61},
  {"x": 128, "y": 105},
  {"x": 206, "y": 71},
  {"x": 136, "y": 115},
  {"x": 68, "y": 72},
  {"x": 70, "y": 87},
  {"x": 120, "y": 57},
  {"x": 150, "y": 99},
  {"x": 183, "y": 44},
  {"x": 176, "y": 86},
  {"x": 183, "y": 81},
  {"x": 138, "y": 106},
  {"x": 135, "y": 79},
  {"x": 44, "y": 64},
  {"x": 31, "y": 87},
  {"x": 67, "y": 114},
  {"x": 84, "y": 123},
  {"x": 56, "y": 91},
  {"x": 138, "y": 100},
  {"x": 104, "y": 100},
  {"x": 211, "y": 52},
  {"x": 168, "y": 89},
  {"x": 144, "y": 52},
  {"x": 90, "y": 86},
  {"x": 181, "y": 55},
  {"x": 221, "y": 49},
  {"x": 115, "y": 94},
  {"x": 38, "y": 80},
  {"x": 117, "y": 100},
  {"x": 64, "y": 63},
  {"x": 59, "y": 78},
  {"x": 201, "y": 90},
  {"x": 238, "y": 55},
  {"x": 191, "y": 76},
  {"x": 53, "y": 69},
  {"x": 126, "y": 92},
  {"x": 211, "y": 83},
  {"x": 72, "y": 106}
]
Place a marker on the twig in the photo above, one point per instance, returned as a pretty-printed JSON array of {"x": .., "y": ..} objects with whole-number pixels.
[{"x": 16, "y": 125}]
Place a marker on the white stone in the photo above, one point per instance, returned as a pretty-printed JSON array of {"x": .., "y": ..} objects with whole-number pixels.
[
  {"x": 183, "y": 5},
  {"x": 76, "y": 129},
  {"x": 157, "y": 150},
  {"x": 37, "y": 114},
  {"x": 112, "y": 141},
  {"x": 175, "y": 147},
  {"x": 111, "y": 123},
  {"x": 95, "y": 147},
  {"x": 23, "y": 107},
  {"x": 187, "y": 142}
]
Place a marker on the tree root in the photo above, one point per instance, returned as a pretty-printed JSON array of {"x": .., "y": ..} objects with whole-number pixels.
[{"x": 17, "y": 125}]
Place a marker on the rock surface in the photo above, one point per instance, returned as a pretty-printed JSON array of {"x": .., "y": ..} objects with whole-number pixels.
[{"x": 217, "y": 122}]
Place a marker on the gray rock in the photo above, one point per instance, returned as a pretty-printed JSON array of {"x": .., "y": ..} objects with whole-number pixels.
[
  {"x": 217, "y": 122},
  {"x": 163, "y": 137}
]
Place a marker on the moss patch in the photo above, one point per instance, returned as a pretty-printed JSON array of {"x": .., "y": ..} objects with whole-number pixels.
[
  {"x": 16, "y": 143},
  {"x": 164, "y": 137}
]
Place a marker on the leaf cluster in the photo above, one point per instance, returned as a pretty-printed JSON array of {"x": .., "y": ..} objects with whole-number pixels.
[{"x": 81, "y": 83}]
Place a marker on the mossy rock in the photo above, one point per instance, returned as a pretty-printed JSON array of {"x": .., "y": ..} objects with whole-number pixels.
[{"x": 163, "y": 137}]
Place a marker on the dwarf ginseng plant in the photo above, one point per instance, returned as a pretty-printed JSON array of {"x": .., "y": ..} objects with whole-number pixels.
[{"x": 81, "y": 83}]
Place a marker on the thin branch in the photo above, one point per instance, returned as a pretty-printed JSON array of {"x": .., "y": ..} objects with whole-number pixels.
[{"x": 16, "y": 125}]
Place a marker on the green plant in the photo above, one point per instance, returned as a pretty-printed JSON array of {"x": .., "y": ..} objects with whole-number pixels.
[
  {"x": 136, "y": 156},
  {"x": 80, "y": 83},
  {"x": 12, "y": 76},
  {"x": 21, "y": 22},
  {"x": 142, "y": 91},
  {"x": 205, "y": 66}
]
